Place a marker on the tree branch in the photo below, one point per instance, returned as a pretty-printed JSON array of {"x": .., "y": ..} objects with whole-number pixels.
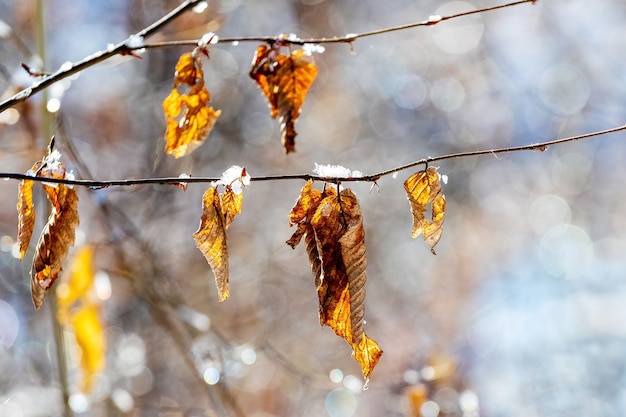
[
  {"x": 93, "y": 184},
  {"x": 121, "y": 48},
  {"x": 124, "y": 48}
]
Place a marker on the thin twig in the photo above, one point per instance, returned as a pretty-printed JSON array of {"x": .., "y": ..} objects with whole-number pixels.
[
  {"x": 93, "y": 184},
  {"x": 349, "y": 38},
  {"x": 123, "y": 48}
]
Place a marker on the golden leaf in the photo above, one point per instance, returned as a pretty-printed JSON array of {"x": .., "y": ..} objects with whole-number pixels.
[
  {"x": 424, "y": 188},
  {"x": 81, "y": 315},
  {"x": 218, "y": 212},
  {"x": 90, "y": 338},
  {"x": 26, "y": 215},
  {"x": 210, "y": 238},
  {"x": 367, "y": 353},
  {"x": 231, "y": 205},
  {"x": 187, "y": 132},
  {"x": 285, "y": 80},
  {"x": 186, "y": 70},
  {"x": 80, "y": 281},
  {"x": 333, "y": 228},
  {"x": 55, "y": 240}
]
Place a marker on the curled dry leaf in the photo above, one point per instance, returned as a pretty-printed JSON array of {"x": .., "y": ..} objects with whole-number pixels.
[
  {"x": 422, "y": 189},
  {"x": 332, "y": 225},
  {"x": 218, "y": 212},
  {"x": 26, "y": 215},
  {"x": 55, "y": 240},
  {"x": 210, "y": 238},
  {"x": 58, "y": 234},
  {"x": 188, "y": 131},
  {"x": 285, "y": 80}
]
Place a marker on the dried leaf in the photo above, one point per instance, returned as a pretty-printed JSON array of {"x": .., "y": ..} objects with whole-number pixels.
[
  {"x": 367, "y": 353},
  {"x": 302, "y": 212},
  {"x": 285, "y": 80},
  {"x": 187, "y": 132},
  {"x": 231, "y": 205},
  {"x": 333, "y": 228},
  {"x": 218, "y": 212},
  {"x": 89, "y": 334},
  {"x": 210, "y": 238},
  {"x": 55, "y": 240},
  {"x": 424, "y": 188},
  {"x": 188, "y": 70},
  {"x": 26, "y": 215}
]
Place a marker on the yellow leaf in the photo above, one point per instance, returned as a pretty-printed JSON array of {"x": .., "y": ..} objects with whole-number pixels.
[
  {"x": 210, "y": 238},
  {"x": 26, "y": 215},
  {"x": 186, "y": 72},
  {"x": 285, "y": 81},
  {"x": 367, "y": 353},
  {"x": 188, "y": 131},
  {"x": 231, "y": 205},
  {"x": 81, "y": 280},
  {"x": 424, "y": 188},
  {"x": 80, "y": 315},
  {"x": 90, "y": 338}
]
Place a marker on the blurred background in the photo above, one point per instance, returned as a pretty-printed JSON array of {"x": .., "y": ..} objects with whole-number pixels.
[{"x": 520, "y": 313}]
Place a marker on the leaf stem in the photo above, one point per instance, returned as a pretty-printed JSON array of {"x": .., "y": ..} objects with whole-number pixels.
[{"x": 94, "y": 184}]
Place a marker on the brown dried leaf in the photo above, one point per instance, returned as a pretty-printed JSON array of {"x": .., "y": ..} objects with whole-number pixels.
[
  {"x": 26, "y": 215},
  {"x": 54, "y": 241},
  {"x": 340, "y": 238},
  {"x": 302, "y": 212},
  {"x": 285, "y": 80},
  {"x": 424, "y": 188},
  {"x": 187, "y": 132},
  {"x": 210, "y": 238}
]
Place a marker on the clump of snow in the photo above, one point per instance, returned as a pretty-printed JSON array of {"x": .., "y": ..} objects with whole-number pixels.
[
  {"x": 207, "y": 39},
  {"x": 235, "y": 177},
  {"x": 70, "y": 176},
  {"x": 434, "y": 19},
  {"x": 135, "y": 42},
  {"x": 313, "y": 48},
  {"x": 53, "y": 163},
  {"x": 335, "y": 171}
]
